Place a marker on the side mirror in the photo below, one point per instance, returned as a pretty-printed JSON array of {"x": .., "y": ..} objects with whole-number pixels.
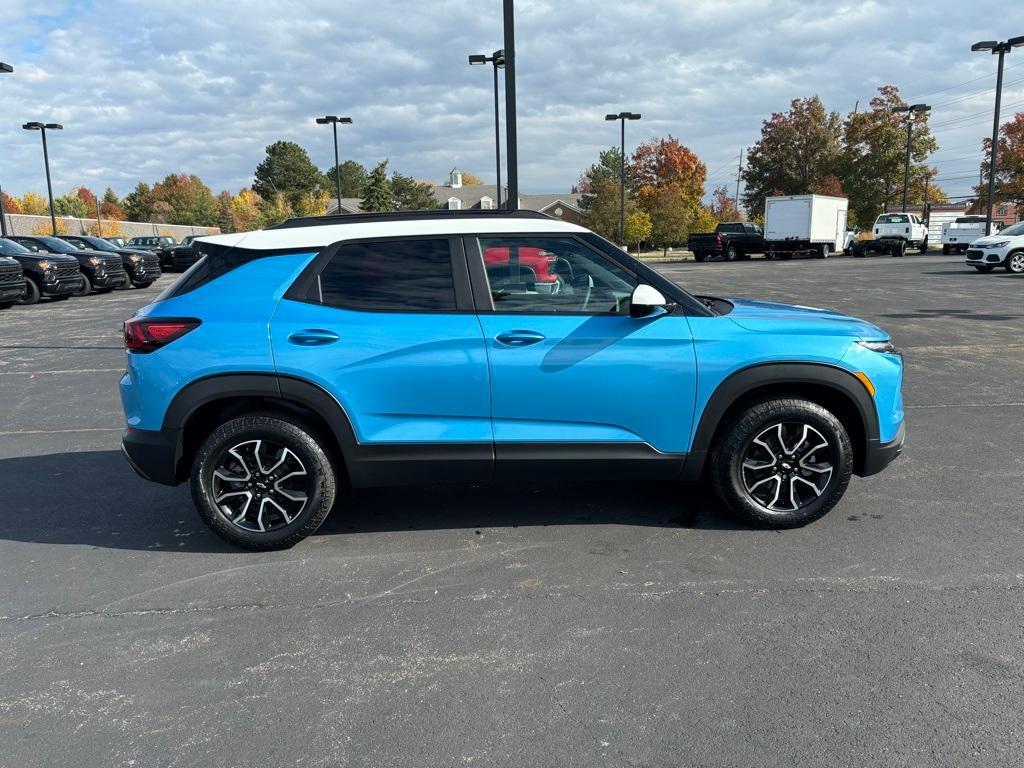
[{"x": 646, "y": 300}]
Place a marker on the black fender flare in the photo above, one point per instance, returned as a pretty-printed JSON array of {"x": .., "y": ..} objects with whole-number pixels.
[
  {"x": 754, "y": 377},
  {"x": 234, "y": 385}
]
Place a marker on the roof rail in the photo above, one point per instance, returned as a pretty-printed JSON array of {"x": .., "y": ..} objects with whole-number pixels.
[{"x": 440, "y": 213}]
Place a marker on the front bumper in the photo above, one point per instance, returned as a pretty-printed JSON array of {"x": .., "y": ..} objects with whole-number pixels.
[
  {"x": 145, "y": 275},
  {"x": 59, "y": 286},
  {"x": 985, "y": 258},
  {"x": 880, "y": 455},
  {"x": 108, "y": 279},
  {"x": 11, "y": 291},
  {"x": 153, "y": 455}
]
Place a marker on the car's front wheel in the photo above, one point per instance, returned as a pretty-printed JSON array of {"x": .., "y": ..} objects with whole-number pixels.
[
  {"x": 1015, "y": 263},
  {"x": 782, "y": 463},
  {"x": 263, "y": 482}
]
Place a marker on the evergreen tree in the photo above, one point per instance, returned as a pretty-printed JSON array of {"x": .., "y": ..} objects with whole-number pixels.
[{"x": 378, "y": 195}]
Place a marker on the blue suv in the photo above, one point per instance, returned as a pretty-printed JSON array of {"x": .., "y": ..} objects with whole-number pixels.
[{"x": 377, "y": 349}]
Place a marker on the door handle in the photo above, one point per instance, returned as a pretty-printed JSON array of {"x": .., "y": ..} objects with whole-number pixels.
[
  {"x": 313, "y": 337},
  {"x": 519, "y": 338}
]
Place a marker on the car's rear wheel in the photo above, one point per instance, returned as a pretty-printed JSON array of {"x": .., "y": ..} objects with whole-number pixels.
[
  {"x": 945, "y": 250},
  {"x": 923, "y": 247},
  {"x": 1015, "y": 263},
  {"x": 824, "y": 250},
  {"x": 782, "y": 463},
  {"x": 699, "y": 256},
  {"x": 263, "y": 482}
]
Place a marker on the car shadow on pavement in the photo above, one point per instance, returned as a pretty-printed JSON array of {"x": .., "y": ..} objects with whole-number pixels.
[{"x": 94, "y": 499}]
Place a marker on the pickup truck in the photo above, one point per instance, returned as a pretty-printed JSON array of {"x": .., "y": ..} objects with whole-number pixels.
[
  {"x": 731, "y": 240},
  {"x": 957, "y": 235}
]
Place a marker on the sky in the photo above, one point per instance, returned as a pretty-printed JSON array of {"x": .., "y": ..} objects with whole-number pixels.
[{"x": 152, "y": 87}]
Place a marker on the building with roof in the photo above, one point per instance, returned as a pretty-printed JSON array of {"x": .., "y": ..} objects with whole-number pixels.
[{"x": 457, "y": 196}]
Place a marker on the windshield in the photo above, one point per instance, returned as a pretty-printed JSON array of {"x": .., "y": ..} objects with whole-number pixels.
[
  {"x": 97, "y": 244},
  {"x": 10, "y": 248},
  {"x": 57, "y": 245},
  {"x": 894, "y": 219},
  {"x": 1016, "y": 229}
]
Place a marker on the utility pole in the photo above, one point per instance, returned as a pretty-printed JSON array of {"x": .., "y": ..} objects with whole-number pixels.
[
  {"x": 99, "y": 221},
  {"x": 511, "y": 151},
  {"x": 912, "y": 110},
  {"x": 739, "y": 172},
  {"x": 622, "y": 117},
  {"x": 4, "y": 69}
]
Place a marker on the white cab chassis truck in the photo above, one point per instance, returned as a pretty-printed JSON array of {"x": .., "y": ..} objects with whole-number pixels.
[
  {"x": 893, "y": 233},
  {"x": 805, "y": 225}
]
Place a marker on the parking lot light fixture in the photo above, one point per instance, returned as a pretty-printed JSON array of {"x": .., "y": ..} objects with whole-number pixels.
[
  {"x": 4, "y": 69},
  {"x": 1000, "y": 49},
  {"x": 43, "y": 128},
  {"x": 498, "y": 60},
  {"x": 911, "y": 110},
  {"x": 333, "y": 120},
  {"x": 622, "y": 117}
]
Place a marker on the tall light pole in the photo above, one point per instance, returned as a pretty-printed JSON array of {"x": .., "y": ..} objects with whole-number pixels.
[
  {"x": 511, "y": 147},
  {"x": 43, "y": 128},
  {"x": 334, "y": 120},
  {"x": 622, "y": 117},
  {"x": 1000, "y": 49},
  {"x": 912, "y": 111},
  {"x": 498, "y": 60},
  {"x": 4, "y": 69}
]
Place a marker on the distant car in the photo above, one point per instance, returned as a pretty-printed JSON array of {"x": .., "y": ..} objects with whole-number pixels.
[
  {"x": 1005, "y": 249},
  {"x": 894, "y": 233},
  {"x": 55, "y": 276},
  {"x": 141, "y": 267},
  {"x": 101, "y": 271},
  {"x": 181, "y": 256},
  {"x": 157, "y": 244},
  {"x": 119, "y": 242},
  {"x": 731, "y": 240}
]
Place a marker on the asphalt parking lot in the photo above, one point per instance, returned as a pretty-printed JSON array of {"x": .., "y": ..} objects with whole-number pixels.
[{"x": 548, "y": 626}]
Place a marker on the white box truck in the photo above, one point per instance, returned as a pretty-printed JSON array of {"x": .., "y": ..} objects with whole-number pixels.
[{"x": 812, "y": 225}]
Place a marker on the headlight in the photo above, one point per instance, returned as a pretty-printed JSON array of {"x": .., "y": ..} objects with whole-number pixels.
[
  {"x": 134, "y": 259},
  {"x": 1000, "y": 244},
  {"x": 45, "y": 265},
  {"x": 96, "y": 261},
  {"x": 885, "y": 347}
]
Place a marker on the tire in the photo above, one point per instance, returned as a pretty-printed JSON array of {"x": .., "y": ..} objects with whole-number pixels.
[
  {"x": 145, "y": 284},
  {"x": 899, "y": 250},
  {"x": 1015, "y": 263},
  {"x": 31, "y": 294},
  {"x": 986, "y": 268},
  {"x": 752, "y": 437},
  {"x": 923, "y": 247},
  {"x": 86, "y": 288},
  {"x": 241, "y": 438},
  {"x": 857, "y": 250},
  {"x": 945, "y": 250},
  {"x": 824, "y": 251},
  {"x": 699, "y": 257},
  {"x": 730, "y": 252}
]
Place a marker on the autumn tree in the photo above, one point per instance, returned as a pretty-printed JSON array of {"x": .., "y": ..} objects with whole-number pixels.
[
  {"x": 670, "y": 184},
  {"x": 411, "y": 195},
  {"x": 1009, "y": 185},
  {"x": 353, "y": 179},
  {"x": 470, "y": 179},
  {"x": 247, "y": 212},
  {"x": 638, "y": 228},
  {"x": 188, "y": 199},
  {"x": 798, "y": 150},
  {"x": 874, "y": 153},
  {"x": 378, "y": 195},
  {"x": 598, "y": 187},
  {"x": 34, "y": 205},
  {"x": 111, "y": 208},
  {"x": 224, "y": 220},
  {"x": 287, "y": 170},
  {"x": 275, "y": 210},
  {"x": 723, "y": 206},
  {"x": 10, "y": 204}
]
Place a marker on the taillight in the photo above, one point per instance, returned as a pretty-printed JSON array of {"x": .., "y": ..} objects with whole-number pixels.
[
  {"x": 147, "y": 334},
  {"x": 718, "y": 239}
]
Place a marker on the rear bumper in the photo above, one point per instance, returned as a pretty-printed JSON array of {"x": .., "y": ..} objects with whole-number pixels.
[
  {"x": 880, "y": 455},
  {"x": 153, "y": 455}
]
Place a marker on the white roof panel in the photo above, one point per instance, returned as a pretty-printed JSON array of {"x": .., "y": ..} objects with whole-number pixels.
[{"x": 325, "y": 234}]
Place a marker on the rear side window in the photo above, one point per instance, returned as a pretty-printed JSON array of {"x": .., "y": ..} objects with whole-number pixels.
[{"x": 390, "y": 275}]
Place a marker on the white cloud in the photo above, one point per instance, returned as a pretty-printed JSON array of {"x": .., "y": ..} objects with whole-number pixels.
[{"x": 180, "y": 85}]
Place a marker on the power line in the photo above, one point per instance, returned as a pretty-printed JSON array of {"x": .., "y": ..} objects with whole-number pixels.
[
  {"x": 975, "y": 117},
  {"x": 976, "y": 93},
  {"x": 958, "y": 85}
]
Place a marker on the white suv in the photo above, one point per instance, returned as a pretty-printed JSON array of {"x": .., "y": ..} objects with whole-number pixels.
[
  {"x": 902, "y": 226},
  {"x": 1005, "y": 249}
]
